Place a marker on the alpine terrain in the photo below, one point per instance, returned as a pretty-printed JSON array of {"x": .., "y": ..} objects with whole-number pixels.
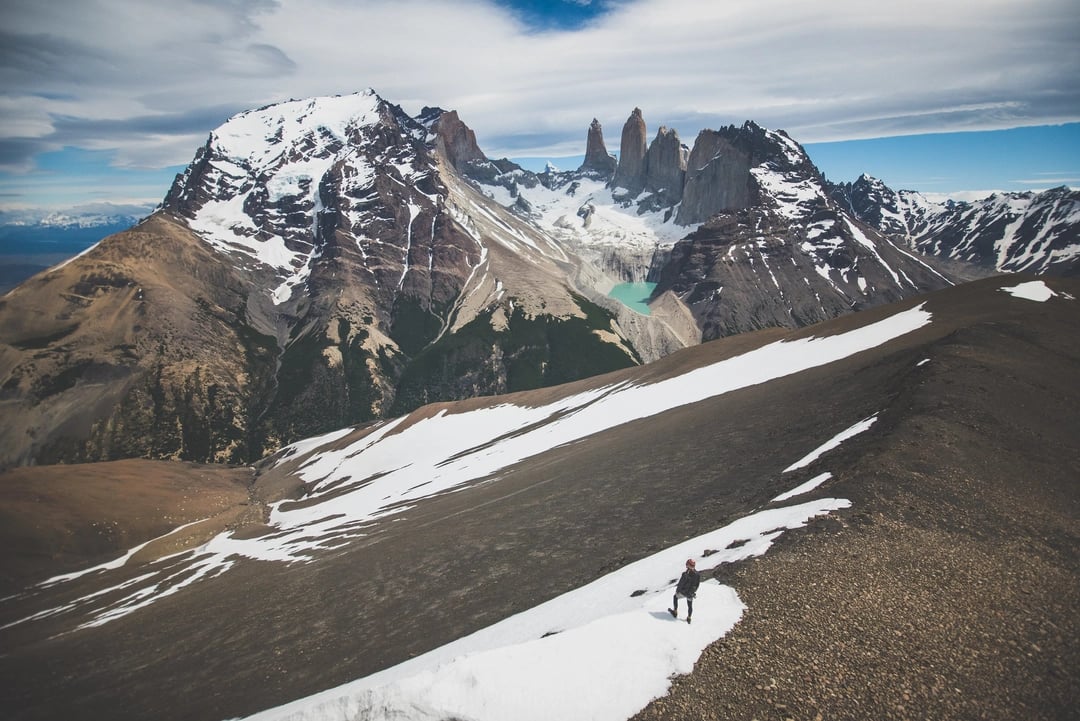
[
  {"x": 483, "y": 558},
  {"x": 352, "y": 426},
  {"x": 334, "y": 261},
  {"x": 1006, "y": 232}
]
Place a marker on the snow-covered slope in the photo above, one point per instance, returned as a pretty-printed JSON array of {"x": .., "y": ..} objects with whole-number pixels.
[{"x": 1006, "y": 232}]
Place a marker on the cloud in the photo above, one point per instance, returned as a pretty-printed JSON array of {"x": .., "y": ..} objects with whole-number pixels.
[{"x": 150, "y": 80}]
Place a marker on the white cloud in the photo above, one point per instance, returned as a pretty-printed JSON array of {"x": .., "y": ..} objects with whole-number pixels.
[{"x": 824, "y": 71}]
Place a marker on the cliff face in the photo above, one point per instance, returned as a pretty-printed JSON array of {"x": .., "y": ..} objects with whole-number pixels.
[
  {"x": 717, "y": 178},
  {"x": 630, "y": 173},
  {"x": 455, "y": 140},
  {"x": 665, "y": 167}
]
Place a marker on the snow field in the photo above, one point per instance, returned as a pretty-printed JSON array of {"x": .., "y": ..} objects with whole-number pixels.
[{"x": 601, "y": 652}]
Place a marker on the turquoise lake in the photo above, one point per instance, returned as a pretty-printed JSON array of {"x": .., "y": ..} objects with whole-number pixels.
[{"x": 633, "y": 295}]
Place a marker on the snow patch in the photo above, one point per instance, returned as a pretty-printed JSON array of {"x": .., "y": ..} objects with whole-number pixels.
[
  {"x": 832, "y": 443},
  {"x": 1036, "y": 290},
  {"x": 803, "y": 488}
]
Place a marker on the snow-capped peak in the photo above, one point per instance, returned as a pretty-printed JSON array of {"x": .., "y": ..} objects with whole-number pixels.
[
  {"x": 258, "y": 137},
  {"x": 258, "y": 190}
]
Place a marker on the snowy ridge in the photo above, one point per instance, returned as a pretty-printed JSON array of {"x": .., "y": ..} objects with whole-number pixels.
[
  {"x": 790, "y": 190},
  {"x": 263, "y": 187},
  {"x": 353, "y": 488},
  {"x": 1007, "y": 232}
]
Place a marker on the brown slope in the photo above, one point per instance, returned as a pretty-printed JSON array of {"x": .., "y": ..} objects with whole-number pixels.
[
  {"x": 949, "y": 589},
  {"x": 266, "y": 633},
  {"x": 59, "y": 519},
  {"x": 108, "y": 356}
]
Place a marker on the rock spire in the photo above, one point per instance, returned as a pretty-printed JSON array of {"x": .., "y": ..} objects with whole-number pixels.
[
  {"x": 630, "y": 174},
  {"x": 597, "y": 159},
  {"x": 665, "y": 166}
]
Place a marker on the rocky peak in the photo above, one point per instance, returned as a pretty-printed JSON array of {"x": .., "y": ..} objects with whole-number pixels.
[
  {"x": 597, "y": 159},
  {"x": 270, "y": 184},
  {"x": 665, "y": 166},
  {"x": 630, "y": 173},
  {"x": 870, "y": 200},
  {"x": 717, "y": 177},
  {"x": 456, "y": 140}
]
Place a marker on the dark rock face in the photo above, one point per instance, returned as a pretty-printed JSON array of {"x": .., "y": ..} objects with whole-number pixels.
[
  {"x": 597, "y": 159},
  {"x": 630, "y": 174},
  {"x": 665, "y": 166},
  {"x": 717, "y": 178},
  {"x": 456, "y": 140}
]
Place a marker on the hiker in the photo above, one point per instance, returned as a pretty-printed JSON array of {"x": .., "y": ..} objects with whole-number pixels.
[{"x": 687, "y": 588}]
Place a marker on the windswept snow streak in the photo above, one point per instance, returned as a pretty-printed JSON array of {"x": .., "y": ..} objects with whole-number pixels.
[
  {"x": 395, "y": 467},
  {"x": 804, "y": 488},
  {"x": 832, "y": 443}
]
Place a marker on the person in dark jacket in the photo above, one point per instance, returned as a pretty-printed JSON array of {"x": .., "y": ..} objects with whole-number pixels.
[{"x": 687, "y": 588}]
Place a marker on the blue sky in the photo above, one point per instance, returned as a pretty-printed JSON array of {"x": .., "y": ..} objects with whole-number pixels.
[{"x": 108, "y": 99}]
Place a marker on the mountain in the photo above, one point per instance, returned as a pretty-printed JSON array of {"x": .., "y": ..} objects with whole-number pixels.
[
  {"x": 319, "y": 263},
  {"x": 739, "y": 232},
  {"x": 333, "y": 261},
  {"x": 1006, "y": 232},
  {"x": 482, "y": 552}
]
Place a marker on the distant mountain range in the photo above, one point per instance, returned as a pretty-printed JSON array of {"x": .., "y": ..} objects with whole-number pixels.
[
  {"x": 1006, "y": 232},
  {"x": 90, "y": 215},
  {"x": 32, "y": 240},
  {"x": 333, "y": 261}
]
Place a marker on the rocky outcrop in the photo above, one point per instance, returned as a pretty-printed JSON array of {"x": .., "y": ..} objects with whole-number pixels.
[
  {"x": 456, "y": 140},
  {"x": 717, "y": 178},
  {"x": 665, "y": 167},
  {"x": 597, "y": 159},
  {"x": 630, "y": 173}
]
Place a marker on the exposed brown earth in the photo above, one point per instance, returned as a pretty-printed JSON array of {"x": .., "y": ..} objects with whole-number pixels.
[
  {"x": 58, "y": 519},
  {"x": 955, "y": 568}
]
